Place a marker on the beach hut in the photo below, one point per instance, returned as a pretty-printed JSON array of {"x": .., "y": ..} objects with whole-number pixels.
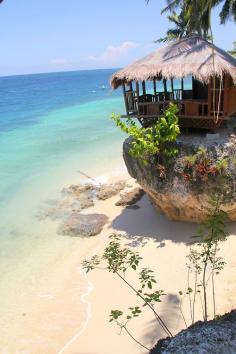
[{"x": 198, "y": 76}]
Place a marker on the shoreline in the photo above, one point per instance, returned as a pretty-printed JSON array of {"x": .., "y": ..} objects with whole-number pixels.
[
  {"x": 175, "y": 247},
  {"x": 48, "y": 254},
  {"x": 149, "y": 232},
  {"x": 89, "y": 315}
]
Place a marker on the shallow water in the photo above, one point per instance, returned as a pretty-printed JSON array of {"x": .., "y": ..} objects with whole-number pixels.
[{"x": 52, "y": 126}]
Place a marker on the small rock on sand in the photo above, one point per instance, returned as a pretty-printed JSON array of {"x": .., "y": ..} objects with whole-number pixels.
[
  {"x": 83, "y": 224},
  {"x": 85, "y": 201},
  {"x": 77, "y": 189},
  {"x": 131, "y": 197},
  {"x": 109, "y": 190}
]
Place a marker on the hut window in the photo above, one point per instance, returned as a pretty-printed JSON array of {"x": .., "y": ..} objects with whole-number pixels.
[{"x": 200, "y": 90}]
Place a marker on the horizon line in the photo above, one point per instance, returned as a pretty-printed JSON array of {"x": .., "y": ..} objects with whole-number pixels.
[{"x": 57, "y": 72}]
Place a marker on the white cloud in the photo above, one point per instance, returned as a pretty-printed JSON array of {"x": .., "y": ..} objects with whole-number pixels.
[
  {"x": 60, "y": 61},
  {"x": 113, "y": 53}
]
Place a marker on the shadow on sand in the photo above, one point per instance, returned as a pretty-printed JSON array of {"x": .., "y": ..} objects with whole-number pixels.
[
  {"x": 146, "y": 222},
  {"x": 170, "y": 313}
]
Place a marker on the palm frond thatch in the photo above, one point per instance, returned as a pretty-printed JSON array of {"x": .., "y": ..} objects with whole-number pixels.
[{"x": 189, "y": 56}]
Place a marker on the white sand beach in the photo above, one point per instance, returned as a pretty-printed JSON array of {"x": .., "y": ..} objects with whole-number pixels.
[
  {"x": 67, "y": 312},
  {"x": 163, "y": 245}
]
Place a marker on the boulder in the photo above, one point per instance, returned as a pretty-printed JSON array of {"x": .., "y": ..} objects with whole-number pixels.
[
  {"x": 85, "y": 201},
  {"x": 131, "y": 197},
  {"x": 83, "y": 224},
  {"x": 216, "y": 336},
  {"x": 179, "y": 195},
  {"x": 107, "y": 191},
  {"x": 77, "y": 189}
]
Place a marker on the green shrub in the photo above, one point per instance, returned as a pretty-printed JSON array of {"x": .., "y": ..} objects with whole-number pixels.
[{"x": 155, "y": 140}]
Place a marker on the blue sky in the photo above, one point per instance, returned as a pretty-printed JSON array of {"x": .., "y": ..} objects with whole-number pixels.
[{"x": 57, "y": 35}]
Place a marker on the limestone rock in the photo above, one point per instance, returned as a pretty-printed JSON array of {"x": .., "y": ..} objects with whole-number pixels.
[
  {"x": 85, "y": 201},
  {"x": 216, "y": 336},
  {"x": 168, "y": 189},
  {"x": 77, "y": 189},
  {"x": 131, "y": 197},
  {"x": 83, "y": 224},
  {"x": 109, "y": 190}
]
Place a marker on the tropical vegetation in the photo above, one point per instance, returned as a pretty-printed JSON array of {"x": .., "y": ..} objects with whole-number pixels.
[
  {"x": 204, "y": 263},
  {"x": 233, "y": 51},
  {"x": 154, "y": 141},
  {"x": 194, "y": 16}
]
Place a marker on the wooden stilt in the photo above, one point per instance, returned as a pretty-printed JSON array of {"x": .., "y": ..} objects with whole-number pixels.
[
  {"x": 182, "y": 88},
  {"x": 172, "y": 85},
  {"x": 165, "y": 85},
  {"x": 125, "y": 98},
  {"x": 155, "y": 87},
  {"x": 144, "y": 87},
  {"x": 137, "y": 93}
]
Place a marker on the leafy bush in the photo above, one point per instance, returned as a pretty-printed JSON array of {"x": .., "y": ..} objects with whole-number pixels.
[
  {"x": 155, "y": 140},
  {"x": 203, "y": 261}
]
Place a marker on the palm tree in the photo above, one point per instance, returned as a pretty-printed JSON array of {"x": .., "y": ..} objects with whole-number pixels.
[
  {"x": 180, "y": 28},
  {"x": 233, "y": 52},
  {"x": 228, "y": 10},
  {"x": 199, "y": 12}
]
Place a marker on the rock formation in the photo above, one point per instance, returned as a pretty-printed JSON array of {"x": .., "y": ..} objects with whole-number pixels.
[
  {"x": 130, "y": 198},
  {"x": 182, "y": 186},
  {"x": 83, "y": 224},
  {"x": 217, "y": 336},
  {"x": 77, "y": 198}
]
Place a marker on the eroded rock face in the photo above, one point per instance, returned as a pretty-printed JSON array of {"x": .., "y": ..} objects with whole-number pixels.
[
  {"x": 172, "y": 192},
  {"x": 131, "y": 197},
  {"x": 83, "y": 224},
  {"x": 75, "y": 199},
  {"x": 217, "y": 336},
  {"x": 109, "y": 190}
]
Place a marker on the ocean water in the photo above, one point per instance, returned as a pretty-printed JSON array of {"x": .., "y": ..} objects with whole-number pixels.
[{"x": 52, "y": 126}]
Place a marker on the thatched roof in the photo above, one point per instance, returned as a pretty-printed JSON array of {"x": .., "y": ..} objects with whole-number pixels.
[{"x": 190, "y": 56}]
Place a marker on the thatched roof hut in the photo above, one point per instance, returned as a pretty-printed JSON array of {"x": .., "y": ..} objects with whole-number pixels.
[{"x": 190, "y": 56}]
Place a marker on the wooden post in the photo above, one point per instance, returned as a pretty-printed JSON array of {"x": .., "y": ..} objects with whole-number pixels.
[
  {"x": 125, "y": 98},
  {"x": 165, "y": 85},
  {"x": 172, "y": 85},
  {"x": 137, "y": 93},
  {"x": 155, "y": 87},
  {"x": 144, "y": 87},
  {"x": 193, "y": 87},
  {"x": 226, "y": 94},
  {"x": 131, "y": 86},
  {"x": 182, "y": 89}
]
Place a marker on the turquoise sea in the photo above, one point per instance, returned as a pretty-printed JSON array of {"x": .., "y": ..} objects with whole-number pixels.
[
  {"x": 46, "y": 119},
  {"x": 52, "y": 126}
]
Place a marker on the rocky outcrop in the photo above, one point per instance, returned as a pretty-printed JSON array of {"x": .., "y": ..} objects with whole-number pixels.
[
  {"x": 107, "y": 191},
  {"x": 181, "y": 188},
  {"x": 217, "y": 336},
  {"x": 130, "y": 198},
  {"x": 76, "y": 198},
  {"x": 83, "y": 224}
]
